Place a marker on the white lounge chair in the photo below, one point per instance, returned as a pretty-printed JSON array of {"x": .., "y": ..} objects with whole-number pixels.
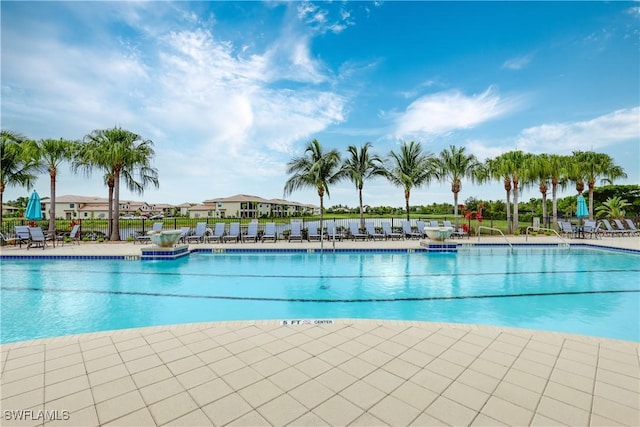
[
  {"x": 312, "y": 232},
  {"x": 37, "y": 238},
  {"x": 22, "y": 234},
  {"x": 143, "y": 237},
  {"x": 270, "y": 232},
  {"x": 234, "y": 233},
  {"x": 296, "y": 231},
  {"x": 332, "y": 231},
  {"x": 408, "y": 231},
  {"x": 354, "y": 230},
  {"x": 199, "y": 234},
  {"x": 372, "y": 233},
  {"x": 632, "y": 226},
  {"x": 610, "y": 230},
  {"x": 621, "y": 227},
  {"x": 218, "y": 233},
  {"x": 252, "y": 232},
  {"x": 389, "y": 233},
  {"x": 74, "y": 235}
]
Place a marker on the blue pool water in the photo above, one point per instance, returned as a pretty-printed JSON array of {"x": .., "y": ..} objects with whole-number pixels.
[{"x": 579, "y": 291}]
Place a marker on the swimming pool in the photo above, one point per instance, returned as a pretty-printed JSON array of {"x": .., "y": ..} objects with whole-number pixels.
[{"x": 582, "y": 291}]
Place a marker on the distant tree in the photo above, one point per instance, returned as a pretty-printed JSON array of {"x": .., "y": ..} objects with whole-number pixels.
[
  {"x": 316, "y": 169},
  {"x": 17, "y": 167},
  {"x": 410, "y": 168},
  {"x": 360, "y": 166}
]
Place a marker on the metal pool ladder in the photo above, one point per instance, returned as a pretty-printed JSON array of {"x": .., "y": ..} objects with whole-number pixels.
[
  {"x": 494, "y": 229},
  {"x": 564, "y": 243}
]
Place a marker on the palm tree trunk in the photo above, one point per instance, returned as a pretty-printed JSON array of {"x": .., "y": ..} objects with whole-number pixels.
[
  {"x": 321, "y": 212},
  {"x": 509, "y": 227},
  {"x": 361, "y": 208},
  {"x": 407, "y": 194},
  {"x": 554, "y": 205},
  {"x": 591, "y": 185},
  {"x": 544, "y": 207},
  {"x": 515, "y": 206},
  {"x": 115, "y": 229},
  {"x": 52, "y": 210},
  {"x": 455, "y": 208},
  {"x": 1, "y": 196},
  {"x": 110, "y": 210}
]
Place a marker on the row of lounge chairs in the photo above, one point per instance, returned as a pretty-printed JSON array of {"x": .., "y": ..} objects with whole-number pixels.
[
  {"x": 36, "y": 237},
  {"x": 595, "y": 229}
]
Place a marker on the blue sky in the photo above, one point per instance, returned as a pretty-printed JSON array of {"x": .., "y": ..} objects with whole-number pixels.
[{"x": 230, "y": 91}]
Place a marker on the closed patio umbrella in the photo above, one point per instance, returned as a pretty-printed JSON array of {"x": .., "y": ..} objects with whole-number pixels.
[
  {"x": 581, "y": 210},
  {"x": 34, "y": 209}
]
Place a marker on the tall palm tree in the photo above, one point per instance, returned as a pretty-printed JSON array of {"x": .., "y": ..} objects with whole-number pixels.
[
  {"x": 17, "y": 167},
  {"x": 454, "y": 165},
  {"x": 498, "y": 168},
  {"x": 559, "y": 170},
  {"x": 49, "y": 154},
  {"x": 120, "y": 154},
  {"x": 539, "y": 167},
  {"x": 316, "y": 169},
  {"x": 411, "y": 167},
  {"x": 513, "y": 164},
  {"x": 597, "y": 165},
  {"x": 361, "y": 166}
]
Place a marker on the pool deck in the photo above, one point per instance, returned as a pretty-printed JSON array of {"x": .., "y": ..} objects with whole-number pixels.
[{"x": 346, "y": 372}]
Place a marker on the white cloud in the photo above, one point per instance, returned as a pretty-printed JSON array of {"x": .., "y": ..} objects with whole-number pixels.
[
  {"x": 443, "y": 112},
  {"x": 595, "y": 134},
  {"x": 517, "y": 63}
]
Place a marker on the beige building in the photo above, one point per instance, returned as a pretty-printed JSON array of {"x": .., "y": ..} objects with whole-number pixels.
[
  {"x": 248, "y": 206},
  {"x": 88, "y": 207}
]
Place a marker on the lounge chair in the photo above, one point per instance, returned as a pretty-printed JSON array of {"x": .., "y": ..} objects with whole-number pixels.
[
  {"x": 22, "y": 234},
  {"x": 354, "y": 231},
  {"x": 8, "y": 239},
  {"x": 591, "y": 228},
  {"x": 566, "y": 229},
  {"x": 198, "y": 235},
  {"x": 184, "y": 232},
  {"x": 312, "y": 232},
  {"x": 408, "y": 231},
  {"x": 332, "y": 231},
  {"x": 252, "y": 232},
  {"x": 143, "y": 237},
  {"x": 270, "y": 232},
  {"x": 433, "y": 223},
  {"x": 632, "y": 226},
  {"x": 74, "y": 235},
  {"x": 218, "y": 233},
  {"x": 459, "y": 233},
  {"x": 389, "y": 233},
  {"x": 372, "y": 233},
  {"x": 610, "y": 230},
  {"x": 296, "y": 231},
  {"x": 421, "y": 225},
  {"x": 37, "y": 238},
  {"x": 621, "y": 227},
  {"x": 234, "y": 233}
]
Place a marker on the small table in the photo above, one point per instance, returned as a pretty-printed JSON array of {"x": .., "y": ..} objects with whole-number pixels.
[{"x": 579, "y": 231}]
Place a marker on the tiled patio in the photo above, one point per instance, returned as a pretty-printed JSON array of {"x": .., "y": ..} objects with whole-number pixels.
[{"x": 351, "y": 372}]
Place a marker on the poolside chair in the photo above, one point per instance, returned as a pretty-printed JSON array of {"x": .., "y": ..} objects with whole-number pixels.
[
  {"x": 621, "y": 227},
  {"x": 184, "y": 232},
  {"x": 372, "y": 233},
  {"x": 408, "y": 231},
  {"x": 234, "y": 233},
  {"x": 421, "y": 224},
  {"x": 198, "y": 235},
  {"x": 218, "y": 233},
  {"x": 591, "y": 229},
  {"x": 252, "y": 232},
  {"x": 296, "y": 231},
  {"x": 312, "y": 232},
  {"x": 389, "y": 233},
  {"x": 332, "y": 231},
  {"x": 270, "y": 232},
  {"x": 22, "y": 234},
  {"x": 354, "y": 231},
  {"x": 143, "y": 237},
  {"x": 37, "y": 238},
  {"x": 74, "y": 235},
  {"x": 632, "y": 226},
  {"x": 610, "y": 230},
  {"x": 459, "y": 233},
  {"x": 566, "y": 229},
  {"x": 433, "y": 223},
  {"x": 6, "y": 239}
]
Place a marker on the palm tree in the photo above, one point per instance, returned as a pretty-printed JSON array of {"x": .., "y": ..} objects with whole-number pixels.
[
  {"x": 455, "y": 165},
  {"x": 360, "y": 166},
  {"x": 16, "y": 165},
  {"x": 613, "y": 208},
  {"x": 499, "y": 169},
  {"x": 316, "y": 169},
  {"x": 121, "y": 154},
  {"x": 559, "y": 169},
  {"x": 539, "y": 167},
  {"x": 411, "y": 167},
  {"x": 513, "y": 166},
  {"x": 49, "y": 154},
  {"x": 597, "y": 165}
]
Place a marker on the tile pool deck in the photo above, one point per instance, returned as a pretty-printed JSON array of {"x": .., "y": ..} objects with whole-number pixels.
[{"x": 349, "y": 372}]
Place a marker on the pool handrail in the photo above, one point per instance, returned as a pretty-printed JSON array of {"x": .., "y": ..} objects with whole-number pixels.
[
  {"x": 564, "y": 242},
  {"x": 493, "y": 229}
]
